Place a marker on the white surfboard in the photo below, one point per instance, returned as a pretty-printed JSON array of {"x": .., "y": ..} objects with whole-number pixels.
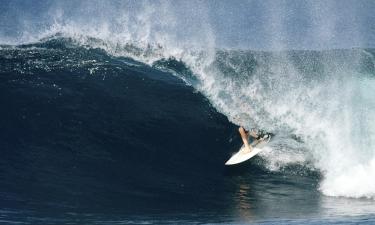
[{"x": 242, "y": 155}]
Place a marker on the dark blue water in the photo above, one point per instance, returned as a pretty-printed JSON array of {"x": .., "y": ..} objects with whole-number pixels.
[{"x": 88, "y": 138}]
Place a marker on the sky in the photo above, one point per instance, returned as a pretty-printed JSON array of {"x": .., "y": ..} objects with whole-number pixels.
[
  {"x": 296, "y": 24},
  {"x": 256, "y": 24}
]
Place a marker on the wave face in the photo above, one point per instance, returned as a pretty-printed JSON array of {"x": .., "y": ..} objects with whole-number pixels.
[{"x": 84, "y": 130}]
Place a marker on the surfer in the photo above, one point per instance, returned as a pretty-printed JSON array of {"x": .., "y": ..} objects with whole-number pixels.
[
  {"x": 245, "y": 134},
  {"x": 249, "y": 150},
  {"x": 251, "y": 146}
]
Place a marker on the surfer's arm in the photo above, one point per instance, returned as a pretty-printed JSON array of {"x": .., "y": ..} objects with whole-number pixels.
[{"x": 253, "y": 134}]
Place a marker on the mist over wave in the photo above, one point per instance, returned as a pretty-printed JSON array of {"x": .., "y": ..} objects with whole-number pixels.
[{"x": 320, "y": 104}]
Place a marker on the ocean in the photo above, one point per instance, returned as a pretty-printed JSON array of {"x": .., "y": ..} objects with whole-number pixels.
[{"x": 127, "y": 117}]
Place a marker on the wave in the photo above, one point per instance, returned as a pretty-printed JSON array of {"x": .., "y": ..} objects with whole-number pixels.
[{"x": 318, "y": 103}]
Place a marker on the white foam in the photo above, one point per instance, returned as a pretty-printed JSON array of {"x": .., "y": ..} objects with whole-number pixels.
[{"x": 355, "y": 181}]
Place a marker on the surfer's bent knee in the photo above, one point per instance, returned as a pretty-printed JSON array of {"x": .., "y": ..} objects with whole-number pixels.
[
  {"x": 243, "y": 131},
  {"x": 240, "y": 129}
]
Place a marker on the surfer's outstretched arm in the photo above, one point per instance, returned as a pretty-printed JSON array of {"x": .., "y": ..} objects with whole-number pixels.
[
  {"x": 253, "y": 134},
  {"x": 244, "y": 136}
]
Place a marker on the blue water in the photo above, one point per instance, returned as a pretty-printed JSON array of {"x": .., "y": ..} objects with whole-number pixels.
[{"x": 131, "y": 143}]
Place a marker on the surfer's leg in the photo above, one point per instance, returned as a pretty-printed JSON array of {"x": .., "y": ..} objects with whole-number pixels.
[{"x": 244, "y": 137}]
